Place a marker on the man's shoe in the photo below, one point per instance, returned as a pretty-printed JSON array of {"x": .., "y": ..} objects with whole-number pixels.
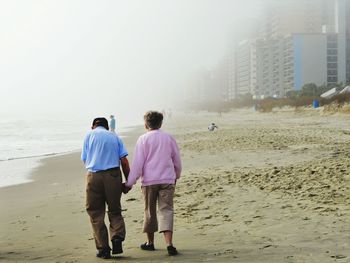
[
  {"x": 117, "y": 246},
  {"x": 149, "y": 247},
  {"x": 172, "y": 251},
  {"x": 104, "y": 254}
]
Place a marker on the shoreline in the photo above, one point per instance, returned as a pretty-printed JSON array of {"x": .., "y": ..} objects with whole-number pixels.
[
  {"x": 24, "y": 167},
  {"x": 39, "y": 161}
]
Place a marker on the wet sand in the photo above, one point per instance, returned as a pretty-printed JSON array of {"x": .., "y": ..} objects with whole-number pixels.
[{"x": 272, "y": 187}]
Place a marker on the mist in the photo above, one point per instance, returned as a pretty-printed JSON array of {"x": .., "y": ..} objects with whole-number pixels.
[{"x": 89, "y": 58}]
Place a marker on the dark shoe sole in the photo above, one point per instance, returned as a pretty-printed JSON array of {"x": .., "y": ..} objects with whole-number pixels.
[
  {"x": 147, "y": 247},
  {"x": 104, "y": 255}
]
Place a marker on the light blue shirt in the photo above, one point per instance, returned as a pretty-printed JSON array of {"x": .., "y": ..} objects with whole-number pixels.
[
  {"x": 112, "y": 124},
  {"x": 102, "y": 150}
]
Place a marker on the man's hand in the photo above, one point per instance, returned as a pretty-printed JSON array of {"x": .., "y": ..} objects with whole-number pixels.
[{"x": 125, "y": 189}]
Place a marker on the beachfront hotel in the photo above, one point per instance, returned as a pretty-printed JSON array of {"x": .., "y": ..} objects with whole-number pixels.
[
  {"x": 298, "y": 42},
  {"x": 295, "y": 42}
]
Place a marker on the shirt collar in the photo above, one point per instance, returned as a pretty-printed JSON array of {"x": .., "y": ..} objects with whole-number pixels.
[{"x": 156, "y": 130}]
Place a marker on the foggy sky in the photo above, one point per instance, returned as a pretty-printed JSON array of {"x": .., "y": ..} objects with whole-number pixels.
[{"x": 101, "y": 57}]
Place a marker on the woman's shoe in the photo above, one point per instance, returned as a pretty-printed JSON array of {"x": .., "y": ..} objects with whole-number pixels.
[
  {"x": 172, "y": 250},
  {"x": 149, "y": 247}
]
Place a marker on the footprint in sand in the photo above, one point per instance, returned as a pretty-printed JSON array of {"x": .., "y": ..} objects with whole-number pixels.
[
  {"x": 338, "y": 256},
  {"x": 267, "y": 246}
]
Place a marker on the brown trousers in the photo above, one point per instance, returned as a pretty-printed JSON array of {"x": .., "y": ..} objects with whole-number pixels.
[
  {"x": 164, "y": 194},
  {"x": 105, "y": 187}
]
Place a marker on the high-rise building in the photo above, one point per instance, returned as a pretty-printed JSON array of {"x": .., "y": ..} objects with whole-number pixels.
[
  {"x": 299, "y": 42},
  {"x": 347, "y": 32},
  {"x": 246, "y": 67},
  {"x": 269, "y": 67},
  {"x": 207, "y": 86},
  {"x": 295, "y": 16},
  {"x": 305, "y": 60},
  {"x": 342, "y": 28},
  {"x": 230, "y": 93}
]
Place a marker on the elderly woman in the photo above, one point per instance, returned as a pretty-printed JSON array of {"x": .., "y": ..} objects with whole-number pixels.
[{"x": 157, "y": 161}]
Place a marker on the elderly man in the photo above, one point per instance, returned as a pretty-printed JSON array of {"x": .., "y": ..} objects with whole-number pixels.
[{"x": 103, "y": 153}]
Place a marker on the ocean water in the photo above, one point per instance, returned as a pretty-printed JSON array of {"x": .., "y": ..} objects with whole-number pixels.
[{"x": 24, "y": 143}]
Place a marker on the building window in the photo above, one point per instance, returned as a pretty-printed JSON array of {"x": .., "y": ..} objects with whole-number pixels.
[
  {"x": 332, "y": 79},
  {"x": 332, "y": 52},
  {"x": 332, "y": 59},
  {"x": 332, "y": 38},
  {"x": 332, "y": 72}
]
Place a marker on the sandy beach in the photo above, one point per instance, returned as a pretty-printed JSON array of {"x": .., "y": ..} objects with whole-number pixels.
[{"x": 264, "y": 187}]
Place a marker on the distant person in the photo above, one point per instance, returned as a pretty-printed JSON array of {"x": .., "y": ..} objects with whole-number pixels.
[
  {"x": 102, "y": 154},
  {"x": 257, "y": 106},
  {"x": 112, "y": 123},
  {"x": 212, "y": 127},
  {"x": 157, "y": 161}
]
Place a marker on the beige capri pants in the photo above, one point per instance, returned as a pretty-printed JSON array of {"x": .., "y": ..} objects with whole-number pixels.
[{"x": 164, "y": 194}]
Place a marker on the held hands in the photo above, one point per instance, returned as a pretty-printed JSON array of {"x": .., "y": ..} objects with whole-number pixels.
[{"x": 125, "y": 189}]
